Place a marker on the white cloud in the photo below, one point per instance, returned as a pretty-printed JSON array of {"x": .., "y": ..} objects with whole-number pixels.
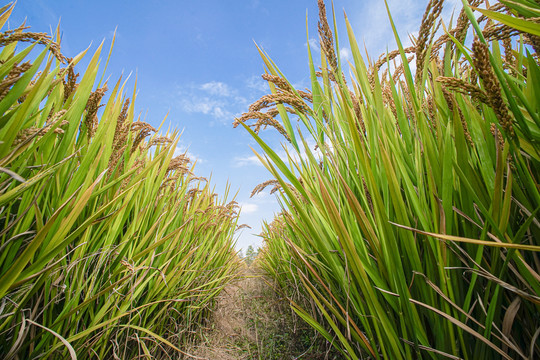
[
  {"x": 241, "y": 161},
  {"x": 215, "y": 98},
  {"x": 215, "y": 107},
  {"x": 313, "y": 44},
  {"x": 249, "y": 208},
  {"x": 262, "y": 196},
  {"x": 256, "y": 83},
  {"x": 345, "y": 54},
  {"x": 217, "y": 88}
]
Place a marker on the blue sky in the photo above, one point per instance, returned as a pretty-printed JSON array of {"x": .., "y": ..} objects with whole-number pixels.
[{"x": 196, "y": 61}]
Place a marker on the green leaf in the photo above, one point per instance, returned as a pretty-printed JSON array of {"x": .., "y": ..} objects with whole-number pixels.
[{"x": 527, "y": 26}]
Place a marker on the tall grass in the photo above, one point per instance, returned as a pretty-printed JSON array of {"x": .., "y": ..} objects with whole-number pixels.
[
  {"x": 110, "y": 246},
  {"x": 412, "y": 228}
]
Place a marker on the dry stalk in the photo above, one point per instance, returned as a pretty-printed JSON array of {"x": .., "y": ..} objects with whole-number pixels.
[
  {"x": 169, "y": 183},
  {"x": 279, "y": 98},
  {"x": 159, "y": 140},
  {"x": 384, "y": 58},
  {"x": 263, "y": 120},
  {"x": 459, "y": 31},
  {"x": 192, "y": 194},
  {"x": 400, "y": 69},
  {"x": 197, "y": 178},
  {"x": 280, "y": 82}
]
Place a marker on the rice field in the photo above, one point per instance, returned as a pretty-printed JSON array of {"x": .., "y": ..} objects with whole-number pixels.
[
  {"x": 409, "y": 192},
  {"x": 111, "y": 247}
]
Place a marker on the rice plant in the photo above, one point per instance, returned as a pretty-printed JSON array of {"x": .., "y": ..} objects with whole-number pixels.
[
  {"x": 412, "y": 227},
  {"x": 110, "y": 246}
]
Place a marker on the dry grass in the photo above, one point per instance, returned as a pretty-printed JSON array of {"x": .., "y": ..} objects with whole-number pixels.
[{"x": 251, "y": 321}]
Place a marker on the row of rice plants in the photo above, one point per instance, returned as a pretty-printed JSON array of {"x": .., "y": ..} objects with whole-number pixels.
[
  {"x": 412, "y": 227},
  {"x": 110, "y": 246}
]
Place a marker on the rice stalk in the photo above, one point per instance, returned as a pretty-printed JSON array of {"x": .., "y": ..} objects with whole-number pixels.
[
  {"x": 102, "y": 248},
  {"x": 416, "y": 228}
]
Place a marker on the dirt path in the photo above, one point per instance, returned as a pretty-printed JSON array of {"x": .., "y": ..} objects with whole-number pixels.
[
  {"x": 230, "y": 321},
  {"x": 252, "y": 322}
]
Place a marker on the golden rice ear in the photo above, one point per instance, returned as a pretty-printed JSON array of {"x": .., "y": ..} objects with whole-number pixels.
[
  {"x": 280, "y": 82},
  {"x": 142, "y": 130},
  {"x": 70, "y": 84},
  {"x": 120, "y": 139},
  {"x": 243, "y": 226},
  {"x": 285, "y": 95},
  {"x": 18, "y": 35},
  {"x": 92, "y": 107},
  {"x": 32, "y": 132},
  {"x": 427, "y": 31},
  {"x": 326, "y": 38},
  {"x": 14, "y": 75},
  {"x": 263, "y": 186},
  {"x": 491, "y": 85},
  {"x": 463, "y": 87}
]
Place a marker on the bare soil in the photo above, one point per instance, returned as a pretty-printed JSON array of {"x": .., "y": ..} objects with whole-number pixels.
[{"x": 229, "y": 323}]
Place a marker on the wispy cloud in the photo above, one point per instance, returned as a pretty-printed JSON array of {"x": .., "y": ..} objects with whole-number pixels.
[
  {"x": 215, "y": 98},
  {"x": 206, "y": 105},
  {"x": 217, "y": 88},
  {"x": 263, "y": 196},
  {"x": 345, "y": 54},
  {"x": 255, "y": 82},
  {"x": 249, "y": 208},
  {"x": 241, "y": 161}
]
